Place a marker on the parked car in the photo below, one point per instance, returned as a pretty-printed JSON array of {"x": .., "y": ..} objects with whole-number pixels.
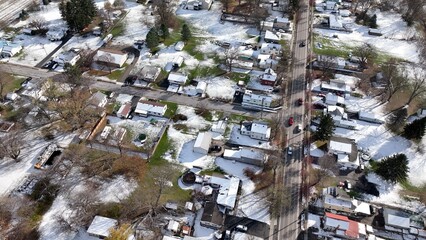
[
  {"x": 290, "y": 121},
  {"x": 299, "y": 127},
  {"x": 241, "y": 228},
  {"x": 289, "y": 150}
]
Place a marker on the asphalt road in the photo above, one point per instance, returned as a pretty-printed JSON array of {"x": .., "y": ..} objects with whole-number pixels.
[
  {"x": 26, "y": 71},
  {"x": 181, "y": 99},
  {"x": 287, "y": 226},
  {"x": 10, "y": 9}
]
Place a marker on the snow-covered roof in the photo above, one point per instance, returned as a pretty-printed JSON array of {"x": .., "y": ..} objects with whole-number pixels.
[
  {"x": 219, "y": 126},
  {"x": 101, "y": 226},
  {"x": 334, "y": 99},
  {"x": 177, "y": 78},
  {"x": 67, "y": 57},
  {"x": 335, "y": 22},
  {"x": 269, "y": 75},
  {"x": 179, "y": 46},
  {"x": 124, "y": 98},
  {"x": 340, "y": 147},
  {"x": 228, "y": 191},
  {"x": 243, "y": 153},
  {"x": 344, "y": 13},
  {"x": 146, "y": 107},
  {"x": 270, "y": 46},
  {"x": 271, "y": 36},
  {"x": 97, "y": 99},
  {"x": 117, "y": 57},
  {"x": 201, "y": 86},
  {"x": 261, "y": 128},
  {"x": 249, "y": 95},
  {"x": 173, "y": 225},
  {"x": 395, "y": 218},
  {"x": 361, "y": 207},
  {"x": 282, "y": 20},
  {"x": 335, "y": 110},
  {"x": 204, "y": 139}
]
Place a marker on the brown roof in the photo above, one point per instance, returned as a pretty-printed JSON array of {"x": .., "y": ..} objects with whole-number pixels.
[{"x": 126, "y": 109}]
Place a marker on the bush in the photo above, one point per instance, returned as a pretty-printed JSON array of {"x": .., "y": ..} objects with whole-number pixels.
[{"x": 179, "y": 117}]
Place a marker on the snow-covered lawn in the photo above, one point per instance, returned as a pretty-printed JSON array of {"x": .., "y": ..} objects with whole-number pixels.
[
  {"x": 191, "y": 159},
  {"x": 394, "y": 40},
  {"x": 243, "y": 140},
  {"x": 201, "y": 232},
  {"x": 194, "y": 122},
  {"x": 13, "y": 173},
  {"x": 221, "y": 87}
]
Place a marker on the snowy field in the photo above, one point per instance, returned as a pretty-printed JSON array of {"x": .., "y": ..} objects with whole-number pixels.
[{"x": 395, "y": 40}]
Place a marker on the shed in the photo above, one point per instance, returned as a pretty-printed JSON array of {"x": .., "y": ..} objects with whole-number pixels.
[
  {"x": 219, "y": 127},
  {"x": 179, "y": 46},
  {"x": 177, "y": 78},
  {"x": 396, "y": 219},
  {"x": 332, "y": 99},
  {"x": 12, "y": 96},
  {"x": 101, "y": 226},
  {"x": 124, "y": 110},
  {"x": 202, "y": 143},
  {"x": 201, "y": 87}
]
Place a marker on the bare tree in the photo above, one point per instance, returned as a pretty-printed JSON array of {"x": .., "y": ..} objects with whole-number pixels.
[
  {"x": 365, "y": 53},
  {"x": 231, "y": 54},
  {"x": 226, "y": 4},
  {"x": 106, "y": 12},
  {"x": 164, "y": 12},
  {"x": 395, "y": 80},
  {"x": 418, "y": 86},
  {"x": 327, "y": 64},
  {"x": 11, "y": 144},
  {"x": 275, "y": 124},
  {"x": 118, "y": 4},
  {"x": 38, "y": 23},
  {"x": 364, "y": 5}
]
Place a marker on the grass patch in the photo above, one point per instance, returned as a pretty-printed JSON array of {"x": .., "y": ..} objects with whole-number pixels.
[
  {"x": 157, "y": 157},
  {"x": 236, "y": 118},
  {"x": 176, "y": 194},
  {"x": 330, "y": 48},
  {"x": 205, "y": 72},
  {"x": 116, "y": 74},
  {"x": 191, "y": 46},
  {"x": 236, "y": 77},
  {"x": 181, "y": 127},
  {"x": 171, "y": 109},
  {"x": 12, "y": 85},
  {"x": 118, "y": 29}
]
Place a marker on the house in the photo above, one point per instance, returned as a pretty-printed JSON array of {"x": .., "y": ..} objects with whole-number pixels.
[
  {"x": 228, "y": 190},
  {"x": 212, "y": 217},
  {"x": 342, "y": 226},
  {"x": 174, "y": 64},
  {"x": 346, "y": 205},
  {"x": 173, "y": 226},
  {"x": 345, "y": 150},
  {"x": 145, "y": 108},
  {"x": 111, "y": 57},
  {"x": 256, "y": 130},
  {"x": 268, "y": 78},
  {"x": 369, "y": 117},
  {"x": 345, "y": 12},
  {"x": 124, "y": 110},
  {"x": 396, "y": 219},
  {"x": 201, "y": 87},
  {"x": 98, "y": 100},
  {"x": 219, "y": 126},
  {"x": 271, "y": 37},
  {"x": 245, "y": 155},
  {"x": 337, "y": 88},
  {"x": 10, "y": 50},
  {"x": 267, "y": 25},
  {"x": 335, "y": 23},
  {"x": 332, "y": 62},
  {"x": 12, "y": 96},
  {"x": 202, "y": 143},
  {"x": 101, "y": 226},
  {"x": 330, "y": 5},
  {"x": 177, "y": 78},
  {"x": 245, "y": 54},
  {"x": 257, "y": 100},
  {"x": 266, "y": 61},
  {"x": 332, "y": 99},
  {"x": 69, "y": 57},
  {"x": 282, "y": 23},
  {"x": 179, "y": 46},
  {"x": 270, "y": 49},
  {"x": 149, "y": 73}
]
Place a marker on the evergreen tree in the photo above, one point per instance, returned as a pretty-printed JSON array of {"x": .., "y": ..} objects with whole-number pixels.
[
  {"x": 416, "y": 129},
  {"x": 152, "y": 38},
  {"x": 186, "y": 33},
  {"x": 164, "y": 31},
  {"x": 373, "y": 21},
  {"x": 78, "y": 13},
  {"x": 326, "y": 128},
  {"x": 393, "y": 168}
]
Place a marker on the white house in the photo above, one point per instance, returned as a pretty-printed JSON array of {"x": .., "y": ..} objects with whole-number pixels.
[
  {"x": 267, "y": 25},
  {"x": 256, "y": 130},
  {"x": 266, "y": 61},
  {"x": 270, "y": 48},
  {"x": 282, "y": 23},
  {"x": 10, "y": 50},
  {"x": 101, "y": 226},
  {"x": 111, "y": 57},
  {"x": 177, "y": 78},
  {"x": 271, "y": 37},
  {"x": 145, "y": 108},
  {"x": 202, "y": 143},
  {"x": 123, "y": 98},
  {"x": 219, "y": 126},
  {"x": 335, "y": 22},
  {"x": 98, "y": 100},
  {"x": 69, "y": 57},
  {"x": 345, "y": 150},
  {"x": 124, "y": 110},
  {"x": 331, "y": 5},
  {"x": 332, "y": 99},
  {"x": 257, "y": 100}
]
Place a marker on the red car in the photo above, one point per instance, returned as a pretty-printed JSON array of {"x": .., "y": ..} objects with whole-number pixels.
[{"x": 290, "y": 121}]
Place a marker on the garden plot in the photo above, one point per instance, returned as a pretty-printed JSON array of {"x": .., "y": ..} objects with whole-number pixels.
[
  {"x": 151, "y": 126},
  {"x": 243, "y": 140},
  {"x": 395, "y": 40}
]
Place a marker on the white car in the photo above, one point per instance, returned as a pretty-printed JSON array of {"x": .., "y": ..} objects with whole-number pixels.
[
  {"x": 289, "y": 150},
  {"x": 179, "y": 46}
]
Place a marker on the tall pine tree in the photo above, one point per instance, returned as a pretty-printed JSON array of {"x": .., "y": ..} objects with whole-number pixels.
[
  {"x": 393, "y": 168},
  {"x": 78, "y": 13},
  {"x": 186, "y": 33},
  {"x": 325, "y": 128},
  {"x": 416, "y": 129},
  {"x": 152, "y": 38},
  {"x": 164, "y": 31}
]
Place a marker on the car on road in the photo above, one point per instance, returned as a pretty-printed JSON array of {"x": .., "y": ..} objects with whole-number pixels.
[
  {"x": 299, "y": 127},
  {"x": 290, "y": 121},
  {"x": 302, "y": 44},
  {"x": 241, "y": 228},
  {"x": 300, "y": 101},
  {"x": 289, "y": 150}
]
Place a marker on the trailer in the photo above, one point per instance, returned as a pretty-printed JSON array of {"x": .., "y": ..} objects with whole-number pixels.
[{"x": 45, "y": 155}]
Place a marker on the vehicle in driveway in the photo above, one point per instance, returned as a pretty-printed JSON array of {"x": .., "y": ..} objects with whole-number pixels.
[
  {"x": 290, "y": 121},
  {"x": 290, "y": 150},
  {"x": 241, "y": 228}
]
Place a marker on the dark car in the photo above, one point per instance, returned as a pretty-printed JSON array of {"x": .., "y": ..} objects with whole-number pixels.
[
  {"x": 302, "y": 44},
  {"x": 299, "y": 101}
]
